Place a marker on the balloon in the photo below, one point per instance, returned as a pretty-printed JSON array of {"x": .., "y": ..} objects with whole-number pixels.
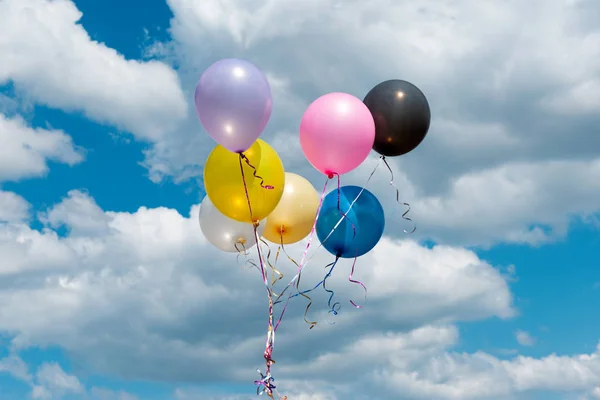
[
  {"x": 293, "y": 218},
  {"x": 225, "y": 233},
  {"x": 402, "y": 117},
  {"x": 337, "y": 133},
  {"x": 366, "y": 214},
  {"x": 233, "y": 102},
  {"x": 225, "y": 187}
]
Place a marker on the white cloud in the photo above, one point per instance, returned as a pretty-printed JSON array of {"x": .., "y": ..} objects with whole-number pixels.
[
  {"x": 528, "y": 202},
  {"x": 16, "y": 367},
  {"x": 581, "y": 99},
  {"x": 489, "y": 82},
  {"x": 107, "y": 394},
  {"x": 148, "y": 280},
  {"x": 25, "y": 151},
  {"x": 192, "y": 394},
  {"x": 53, "y": 383},
  {"x": 418, "y": 365},
  {"x": 148, "y": 291},
  {"x": 524, "y": 338},
  {"x": 79, "y": 213},
  {"x": 49, "y": 56},
  {"x": 509, "y": 157},
  {"x": 13, "y": 208}
]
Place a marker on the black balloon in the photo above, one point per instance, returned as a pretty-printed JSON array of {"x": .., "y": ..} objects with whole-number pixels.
[{"x": 402, "y": 117}]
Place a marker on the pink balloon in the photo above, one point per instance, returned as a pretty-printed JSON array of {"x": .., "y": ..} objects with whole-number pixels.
[{"x": 337, "y": 133}]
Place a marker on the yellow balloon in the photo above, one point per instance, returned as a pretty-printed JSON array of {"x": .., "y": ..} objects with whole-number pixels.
[
  {"x": 225, "y": 188},
  {"x": 293, "y": 218}
]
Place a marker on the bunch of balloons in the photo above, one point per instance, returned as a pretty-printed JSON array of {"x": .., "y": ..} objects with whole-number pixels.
[{"x": 251, "y": 199}]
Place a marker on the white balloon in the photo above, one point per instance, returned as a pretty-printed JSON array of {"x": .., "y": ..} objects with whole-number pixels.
[{"x": 225, "y": 233}]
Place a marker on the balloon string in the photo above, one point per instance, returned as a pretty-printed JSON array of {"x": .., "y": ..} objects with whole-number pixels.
[
  {"x": 276, "y": 276},
  {"x": 311, "y": 323},
  {"x": 313, "y": 230},
  {"x": 266, "y": 380},
  {"x": 404, "y": 215},
  {"x": 269, "y": 387},
  {"x": 344, "y": 214},
  {"x": 349, "y": 208},
  {"x": 242, "y": 251},
  {"x": 301, "y": 293},
  {"x": 332, "y": 308},
  {"x": 358, "y": 283},
  {"x": 304, "y": 260},
  {"x": 254, "y": 173}
]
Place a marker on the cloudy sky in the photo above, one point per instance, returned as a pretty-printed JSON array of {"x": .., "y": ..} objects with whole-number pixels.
[{"x": 109, "y": 291}]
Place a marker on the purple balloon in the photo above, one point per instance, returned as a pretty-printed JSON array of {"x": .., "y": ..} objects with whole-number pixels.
[{"x": 233, "y": 101}]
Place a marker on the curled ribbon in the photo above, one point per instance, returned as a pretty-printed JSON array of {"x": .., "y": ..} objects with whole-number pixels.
[
  {"x": 254, "y": 172},
  {"x": 358, "y": 283},
  {"x": 270, "y": 341},
  {"x": 332, "y": 308},
  {"x": 302, "y": 264},
  {"x": 331, "y": 266},
  {"x": 266, "y": 385},
  {"x": 404, "y": 215},
  {"x": 275, "y": 270},
  {"x": 243, "y": 252},
  {"x": 310, "y": 323}
]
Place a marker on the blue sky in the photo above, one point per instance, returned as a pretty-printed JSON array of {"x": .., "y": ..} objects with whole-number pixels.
[{"x": 114, "y": 294}]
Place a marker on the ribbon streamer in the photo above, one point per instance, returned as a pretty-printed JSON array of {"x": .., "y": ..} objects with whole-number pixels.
[
  {"x": 304, "y": 260},
  {"x": 242, "y": 251},
  {"x": 331, "y": 266},
  {"x": 344, "y": 214},
  {"x": 358, "y": 283},
  {"x": 310, "y": 323},
  {"x": 254, "y": 173},
  {"x": 266, "y": 383},
  {"x": 332, "y": 308},
  {"x": 297, "y": 278},
  {"x": 404, "y": 215},
  {"x": 275, "y": 270}
]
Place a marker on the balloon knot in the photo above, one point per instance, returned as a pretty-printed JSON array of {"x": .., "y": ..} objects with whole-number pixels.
[
  {"x": 256, "y": 224},
  {"x": 330, "y": 175}
]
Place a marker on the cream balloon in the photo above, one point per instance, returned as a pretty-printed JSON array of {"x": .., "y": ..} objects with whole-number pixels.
[
  {"x": 225, "y": 233},
  {"x": 293, "y": 218}
]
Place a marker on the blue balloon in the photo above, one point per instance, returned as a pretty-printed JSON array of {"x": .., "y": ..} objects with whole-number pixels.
[{"x": 366, "y": 215}]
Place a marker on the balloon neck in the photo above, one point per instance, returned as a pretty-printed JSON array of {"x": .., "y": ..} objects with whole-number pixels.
[
  {"x": 330, "y": 175},
  {"x": 281, "y": 229},
  {"x": 256, "y": 224},
  {"x": 241, "y": 241}
]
